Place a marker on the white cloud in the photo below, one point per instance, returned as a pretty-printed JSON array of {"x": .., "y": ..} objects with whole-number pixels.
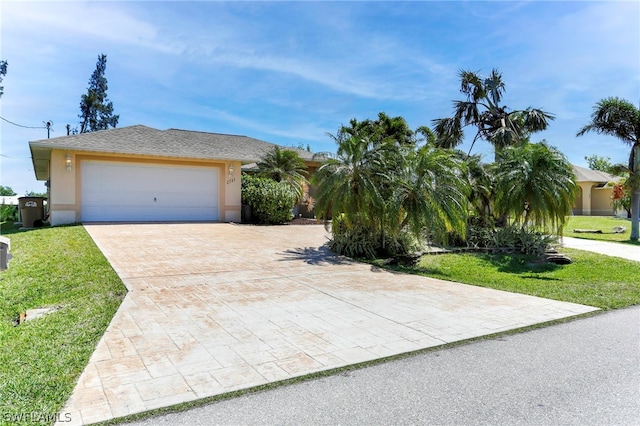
[{"x": 106, "y": 22}]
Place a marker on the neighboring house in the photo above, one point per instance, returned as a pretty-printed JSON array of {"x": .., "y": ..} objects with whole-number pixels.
[
  {"x": 9, "y": 200},
  {"x": 141, "y": 174},
  {"x": 594, "y": 197}
]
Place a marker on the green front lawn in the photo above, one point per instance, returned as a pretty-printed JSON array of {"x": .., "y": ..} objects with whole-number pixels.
[
  {"x": 592, "y": 279},
  {"x": 41, "y": 359},
  {"x": 603, "y": 223}
]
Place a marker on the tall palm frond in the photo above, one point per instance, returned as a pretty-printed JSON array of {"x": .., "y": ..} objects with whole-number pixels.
[
  {"x": 448, "y": 131},
  {"x": 621, "y": 119},
  {"x": 482, "y": 110}
]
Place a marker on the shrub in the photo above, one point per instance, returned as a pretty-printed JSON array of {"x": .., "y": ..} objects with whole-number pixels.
[
  {"x": 509, "y": 238},
  {"x": 8, "y": 213},
  {"x": 360, "y": 241},
  {"x": 271, "y": 202},
  {"x": 353, "y": 240}
]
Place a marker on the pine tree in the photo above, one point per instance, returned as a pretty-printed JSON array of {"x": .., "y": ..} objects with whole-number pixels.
[
  {"x": 3, "y": 72},
  {"x": 96, "y": 111}
]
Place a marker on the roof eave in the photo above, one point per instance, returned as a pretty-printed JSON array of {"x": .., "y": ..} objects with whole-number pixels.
[{"x": 41, "y": 159}]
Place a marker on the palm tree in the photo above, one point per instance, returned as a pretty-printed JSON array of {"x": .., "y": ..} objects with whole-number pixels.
[
  {"x": 284, "y": 165},
  {"x": 352, "y": 182},
  {"x": 385, "y": 190},
  {"x": 535, "y": 185},
  {"x": 481, "y": 178},
  {"x": 620, "y": 118},
  {"x": 430, "y": 195},
  {"x": 483, "y": 110}
]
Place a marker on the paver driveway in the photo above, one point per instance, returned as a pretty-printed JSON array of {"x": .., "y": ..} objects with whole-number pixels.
[{"x": 214, "y": 308}]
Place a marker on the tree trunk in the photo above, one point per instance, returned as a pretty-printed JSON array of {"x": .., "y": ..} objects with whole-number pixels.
[
  {"x": 635, "y": 214},
  {"x": 635, "y": 196}
]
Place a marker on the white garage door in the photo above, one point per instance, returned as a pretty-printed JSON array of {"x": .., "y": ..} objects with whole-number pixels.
[{"x": 122, "y": 192}]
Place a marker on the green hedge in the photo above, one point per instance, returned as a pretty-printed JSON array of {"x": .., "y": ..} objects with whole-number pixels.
[
  {"x": 8, "y": 213},
  {"x": 271, "y": 202}
]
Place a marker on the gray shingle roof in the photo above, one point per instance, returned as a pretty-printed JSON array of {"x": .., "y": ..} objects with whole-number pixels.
[
  {"x": 588, "y": 175},
  {"x": 143, "y": 140}
]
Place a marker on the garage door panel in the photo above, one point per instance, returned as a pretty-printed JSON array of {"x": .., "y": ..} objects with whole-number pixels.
[{"x": 148, "y": 192}]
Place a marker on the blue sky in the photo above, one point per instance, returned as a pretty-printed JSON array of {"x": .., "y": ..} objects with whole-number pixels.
[{"x": 290, "y": 72}]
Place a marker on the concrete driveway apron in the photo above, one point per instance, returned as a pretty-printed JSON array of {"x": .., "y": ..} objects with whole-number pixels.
[{"x": 214, "y": 308}]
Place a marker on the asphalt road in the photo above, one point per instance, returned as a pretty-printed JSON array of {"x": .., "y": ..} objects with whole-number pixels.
[{"x": 584, "y": 372}]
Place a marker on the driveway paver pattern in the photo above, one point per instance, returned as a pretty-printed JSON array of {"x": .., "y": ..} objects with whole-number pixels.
[{"x": 214, "y": 308}]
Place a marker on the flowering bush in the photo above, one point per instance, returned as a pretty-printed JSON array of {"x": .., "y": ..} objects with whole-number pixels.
[{"x": 621, "y": 197}]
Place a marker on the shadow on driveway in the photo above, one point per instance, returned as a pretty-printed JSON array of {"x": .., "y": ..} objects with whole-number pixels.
[{"x": 317, "y": 256}]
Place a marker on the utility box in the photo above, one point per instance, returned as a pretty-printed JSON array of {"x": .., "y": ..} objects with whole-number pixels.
[
  {"x": 246, "y": 214},
  {"x": 5, "y": 246},
  {"x": 31, "y": 211}
]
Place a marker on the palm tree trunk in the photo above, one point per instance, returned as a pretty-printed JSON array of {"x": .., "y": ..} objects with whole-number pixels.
[
  {"x": 634, "y": 163},
  {"x": 635, "y": 214}
]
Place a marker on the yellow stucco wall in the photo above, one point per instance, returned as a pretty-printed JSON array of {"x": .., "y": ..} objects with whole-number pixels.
[
  {"x": 63, "y": 207},
  {"x": 66, "y": 186},
  {"x": 232, "y": 193},
  {"x": 593, "y": 201},
  {"x": 577, "y": 203},
  {"x": 601, "y": 201}
]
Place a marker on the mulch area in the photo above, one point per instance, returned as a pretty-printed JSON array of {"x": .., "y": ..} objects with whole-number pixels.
[{"x": 305, "y": 221}]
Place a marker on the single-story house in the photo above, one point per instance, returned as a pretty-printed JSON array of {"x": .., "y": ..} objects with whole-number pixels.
[
  {"x": 594, "y": 197},
  {"x": 141, "y": 174}
]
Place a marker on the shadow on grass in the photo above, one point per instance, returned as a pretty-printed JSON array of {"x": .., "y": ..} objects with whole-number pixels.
[
  {"x": 378, "y": 266},
  {"x": 518, "y": 263},
  {"x": 632, "y": 243},
  {"x": 8, "y": 228},
  {"x": 539, "y": 278},
  {"x": 318, "y": 256}
]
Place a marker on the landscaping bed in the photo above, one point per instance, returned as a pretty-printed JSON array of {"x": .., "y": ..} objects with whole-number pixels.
[{"x": 306, "y": 221}]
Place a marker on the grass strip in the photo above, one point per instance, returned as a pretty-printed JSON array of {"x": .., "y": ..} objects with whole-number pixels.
[
  {"x": 592, "y": 279},
  {"x": 41, "y": 359}
]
